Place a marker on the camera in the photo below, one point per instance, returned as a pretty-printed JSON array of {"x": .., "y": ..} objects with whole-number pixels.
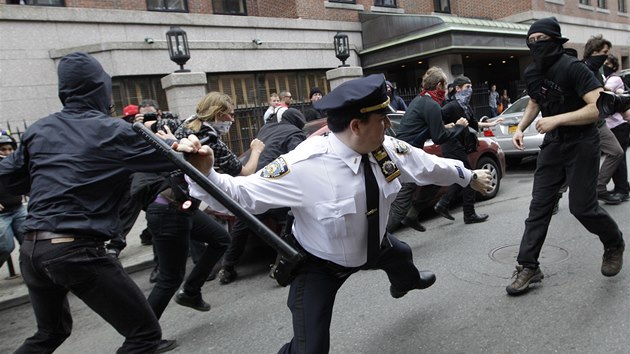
[
  {"x": 149, "y": 117},
  {"x": 609, "y": 103}
]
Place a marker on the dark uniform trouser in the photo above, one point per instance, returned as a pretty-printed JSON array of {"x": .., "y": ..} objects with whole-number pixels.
[
  {"x": 83, "y": 268},
  {"x": 574, "y": 157},
  {"x": 313, "y": 291}
]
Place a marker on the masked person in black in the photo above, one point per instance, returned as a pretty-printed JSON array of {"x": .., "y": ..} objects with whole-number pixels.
[
  {"x": 458, "y": 148},
  {"x": 76, "y": 165},
  {"x": 565, "y": 90}
]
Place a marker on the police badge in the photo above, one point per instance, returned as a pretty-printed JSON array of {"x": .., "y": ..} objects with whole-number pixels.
[{"x": 388, "y": 167}]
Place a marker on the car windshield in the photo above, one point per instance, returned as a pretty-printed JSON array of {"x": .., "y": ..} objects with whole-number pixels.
[{"x": 518, "y": 106}]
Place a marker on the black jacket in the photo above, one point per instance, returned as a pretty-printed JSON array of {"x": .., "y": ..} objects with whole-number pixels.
[
  {"x": 422, "y": 121},
  {"x": 76, "y": 163},
  {"x": 280, "y": 137}
]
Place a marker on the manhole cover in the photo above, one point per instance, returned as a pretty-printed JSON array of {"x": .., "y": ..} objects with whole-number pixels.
[{"x": 549, "y": 254}]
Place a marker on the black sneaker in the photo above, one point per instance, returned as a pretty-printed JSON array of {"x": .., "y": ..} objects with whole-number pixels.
[
  {"x": 166, "y": 345},
  {"x": 194, "y": 302},
  {"x": 623, "y": 196},
  {"x": 612, "y": 260},
  {"x": 227, "y": 275},
  {"x": 524, "y": 276}
]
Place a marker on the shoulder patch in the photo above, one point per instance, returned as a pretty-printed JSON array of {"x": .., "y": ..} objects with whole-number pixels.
[
  {"x": 276, "y": 168},
  {"x": 401, "y": 146}
]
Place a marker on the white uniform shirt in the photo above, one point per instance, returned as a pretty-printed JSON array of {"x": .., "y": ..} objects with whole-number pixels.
[{"x": 325, "y": 189}]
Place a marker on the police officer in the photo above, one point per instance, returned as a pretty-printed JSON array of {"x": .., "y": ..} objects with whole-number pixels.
[
  {"x": 565, "y": 90},
  {"x": 341, "y": 210}
]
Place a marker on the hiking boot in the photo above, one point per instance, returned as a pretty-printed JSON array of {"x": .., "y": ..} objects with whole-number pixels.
[
  {"x": 612, "y": 260},
  {"x": 193, "y": 301},
  {"x": 524, "y": 276},
  {"x": 227, "y": 275}
]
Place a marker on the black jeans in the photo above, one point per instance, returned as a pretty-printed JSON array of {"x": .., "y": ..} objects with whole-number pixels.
[
  {"x": 240, "y": 235},
  {"x": 453, "y": 149},
  {"x": 620, "y": 177},
  {"x": 82, "y": 267},
  {"x": 572, "y": 157},
  {"x": 313, "y": 291},
  {"x": 172, "y": 230}
]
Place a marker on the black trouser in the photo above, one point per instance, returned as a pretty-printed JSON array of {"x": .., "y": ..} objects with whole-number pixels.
[
  {"x": 82, "y": 267},
  {"x": 454, "y": 149},
  {"x": 620, "y": 177},
  {"x": 240, "y": 235},
  {"x": 574, "y": 157},
  {"x": 313, "y": 291},
  {"x": 172, "y": 230},
  {"x": 129, "y": 211}
]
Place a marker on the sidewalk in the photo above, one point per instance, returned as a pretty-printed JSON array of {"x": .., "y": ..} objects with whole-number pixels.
[{"x": 134, "y": 257}]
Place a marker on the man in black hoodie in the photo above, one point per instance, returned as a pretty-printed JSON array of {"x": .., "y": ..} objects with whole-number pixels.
[
  {"x": 279, "y": 138},
  {"x": 78, "y": 163}
]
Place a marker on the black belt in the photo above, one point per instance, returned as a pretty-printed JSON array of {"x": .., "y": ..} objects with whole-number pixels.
[{"x": 45, "y": 235}]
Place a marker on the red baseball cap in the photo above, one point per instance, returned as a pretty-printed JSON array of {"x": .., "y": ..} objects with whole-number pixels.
[{"x": 130, "y": 110}]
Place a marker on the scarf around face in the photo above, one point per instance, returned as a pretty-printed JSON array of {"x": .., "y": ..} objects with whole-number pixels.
[{"x": 437, "y": 95}]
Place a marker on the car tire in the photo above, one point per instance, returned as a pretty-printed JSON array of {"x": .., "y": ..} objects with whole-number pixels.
[{"x": 491, "y": 165}]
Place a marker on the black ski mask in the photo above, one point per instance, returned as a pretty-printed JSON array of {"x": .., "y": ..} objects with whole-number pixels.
[
  {"x": 545, "y": 53},
  {"x": 596, "y": 61}
]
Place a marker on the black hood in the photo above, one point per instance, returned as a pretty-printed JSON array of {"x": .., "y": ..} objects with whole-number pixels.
[{"x": 83, "y": 83}]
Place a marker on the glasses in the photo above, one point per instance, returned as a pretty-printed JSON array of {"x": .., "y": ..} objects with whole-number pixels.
[{"x": 541, "y": 37}]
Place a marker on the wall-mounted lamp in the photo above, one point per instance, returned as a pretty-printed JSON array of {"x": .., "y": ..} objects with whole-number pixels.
[
  {"x": 178, "y": 47},
  {"x": 342, "y": 48},
  {"x": 257, "y": 41}
]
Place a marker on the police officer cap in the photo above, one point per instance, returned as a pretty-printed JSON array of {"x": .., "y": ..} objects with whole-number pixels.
[
  {"x": 359, "y": 96},
  {"x": 548, "y": 26}
]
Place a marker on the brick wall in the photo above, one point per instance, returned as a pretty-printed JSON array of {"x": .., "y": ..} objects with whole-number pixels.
[{"x": 489, "y": 9}]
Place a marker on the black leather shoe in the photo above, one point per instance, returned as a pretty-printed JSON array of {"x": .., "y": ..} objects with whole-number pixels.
[
  {"x": 443, "y": 211},
  {"x": 623, "y": 196},
  {"x": 426, "y": 280},
  {"x": 194, "y": 302},
  {"x": 609, "y": 198},
  {"x": 166, "y": 345},
  {"x": 414, "y": 224},
  {"x": 475, "y": 218}
]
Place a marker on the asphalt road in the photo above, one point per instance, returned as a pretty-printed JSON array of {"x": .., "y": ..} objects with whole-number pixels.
[{"x": 575, "y": 310}]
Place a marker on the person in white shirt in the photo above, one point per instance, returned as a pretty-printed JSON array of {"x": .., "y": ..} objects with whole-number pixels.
[{"x": 325, "y": 183}]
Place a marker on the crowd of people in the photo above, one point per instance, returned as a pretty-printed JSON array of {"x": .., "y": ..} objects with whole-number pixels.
[{"x": 87, "y": 187}]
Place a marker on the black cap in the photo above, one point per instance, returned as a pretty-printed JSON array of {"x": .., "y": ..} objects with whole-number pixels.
[
  {"x": 358, "y": 96},
  {"x": 461, "y": 81},
  {"x": 548, "y": 26},
  {"x": 315, "y": 90}
]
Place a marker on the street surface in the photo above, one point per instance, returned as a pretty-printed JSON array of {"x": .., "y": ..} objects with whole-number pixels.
[{"x": 576, "y": 310}]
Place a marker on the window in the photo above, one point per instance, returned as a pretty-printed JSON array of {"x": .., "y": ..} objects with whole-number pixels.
[
  {"x": 443, "y": 6},
  {"x": 345, "y": 1},
  {"x": 37, "y": 2},
  {"x": 385, "y": 3},
  {"x": 167, "y": 5},
  {"x": 622, "y": 6},
  {"x": 229, "y": 7},
  {"x": 601, "y": 4},
  {"x": 585, "y": 2},
  {"x": 131, "y": 90}
]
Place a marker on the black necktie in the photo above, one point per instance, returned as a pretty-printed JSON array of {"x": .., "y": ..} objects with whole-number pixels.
[{"x": 371, "y": 194}]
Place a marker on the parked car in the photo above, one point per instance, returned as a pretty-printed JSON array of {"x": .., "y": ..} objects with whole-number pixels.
[
  {"x": 488, "y": 155},
  {"x": 503, "y": 132}
]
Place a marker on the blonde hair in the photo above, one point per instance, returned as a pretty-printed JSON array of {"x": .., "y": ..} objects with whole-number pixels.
[{"x": 213, "y": 105}]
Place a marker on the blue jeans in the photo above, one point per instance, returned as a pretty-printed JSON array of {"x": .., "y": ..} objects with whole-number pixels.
[
  {"x": 172, "y": 230},
  {"x": 82, "y": 267},
  {"x": 10, "y": 223}
]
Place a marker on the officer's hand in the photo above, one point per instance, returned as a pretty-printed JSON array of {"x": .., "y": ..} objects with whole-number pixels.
[
  {"x": 544, "y": 125},
  {"x": 462, "y": 121},
  {"x": 257, "y": 146},
  {"x": 517, "y": 139},
  {"x": 483, "y": 183},
  {"x": 200, "y": 156}
]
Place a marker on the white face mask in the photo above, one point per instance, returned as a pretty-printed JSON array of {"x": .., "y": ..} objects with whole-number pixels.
[{"x": 222, "y": 127}]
